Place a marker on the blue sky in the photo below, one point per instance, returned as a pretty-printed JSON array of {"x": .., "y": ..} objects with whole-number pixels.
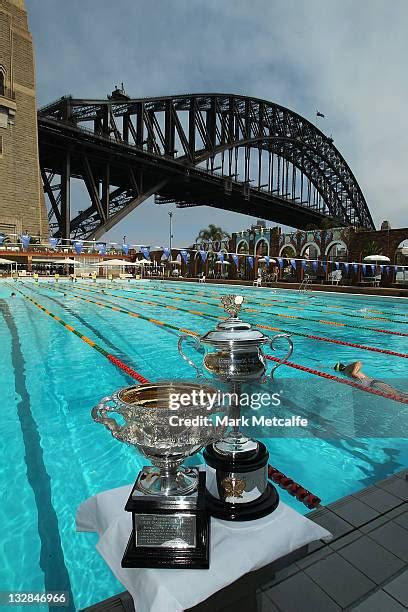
[{"x": 343, "y": 57}]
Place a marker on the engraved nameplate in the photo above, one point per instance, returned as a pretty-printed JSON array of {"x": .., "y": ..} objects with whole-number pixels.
[{"x": 166, "y": 531}]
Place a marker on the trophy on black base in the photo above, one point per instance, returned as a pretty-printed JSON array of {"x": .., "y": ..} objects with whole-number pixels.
[
  {"x": 237, "y": 479},
  {"x": 167, "y": 502}
]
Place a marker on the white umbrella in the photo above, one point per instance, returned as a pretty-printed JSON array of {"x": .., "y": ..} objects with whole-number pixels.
[
  {"x": 7, "y": 262},
  {"x": 376, "y": 258},
  {"x": 67, "y": 261},
  {"x": 175, "y": 261},
  {"x": 223, "y": 263},
  {"x": 111, "y": 263},
  {"x": 263, "y": 260},
  {"x": 144, "y": 262}
]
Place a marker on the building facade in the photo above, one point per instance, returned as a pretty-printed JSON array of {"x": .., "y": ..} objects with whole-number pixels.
[{"x": 22, "y": 206}]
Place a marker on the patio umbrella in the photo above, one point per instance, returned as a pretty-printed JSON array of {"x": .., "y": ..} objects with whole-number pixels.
[
  {"x": 223, "y": 263},
  {"x": 263, "y": 260},
  {"x": 144, "y": 262},
  {"x": 376, "y": 259},
  {"x": 108, "y": 263},
  {"x": 174, "y": 261},
  {"x": 67, "y": 261},
  {"x": 6, "y": 262}
]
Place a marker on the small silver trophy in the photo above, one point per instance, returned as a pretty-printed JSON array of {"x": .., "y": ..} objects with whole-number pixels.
[
  {"x": 237, "y": 482},
  {"x": 170, "y": 522}
]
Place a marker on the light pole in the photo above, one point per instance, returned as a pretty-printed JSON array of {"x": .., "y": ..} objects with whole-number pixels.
[
  {"x": 171, "y": 230},
  {"x": 170, "y": 238}
]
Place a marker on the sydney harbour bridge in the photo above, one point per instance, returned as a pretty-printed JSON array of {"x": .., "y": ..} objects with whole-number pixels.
[{"x": 227, "y": 151}]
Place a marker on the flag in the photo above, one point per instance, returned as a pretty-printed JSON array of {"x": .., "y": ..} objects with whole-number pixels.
[
  {"x": 293, "y": 264},
  {"x": 2, "y": 236},
  {"x": 25, "y": 240},
  {"x": 387, "y": 269},
  {"x": 145, "y": 251},
  {"x": 166, "y": 252},
  {"x": 395, "y": 268},
  {"x": 314, "y": 266},
  {"x": 184, "y": 255},
  {"x": 319, "y": 114},
  {"x": 53, "y": 242},
  {"x": 364, "y": 269},
  {"x": 336, "y": 263},
  {"x": 235, "y": 259},
  {"x": 125, "y": 248},
  {"x": 220, "y": 256},
  {"x": 251, "y": 261},
  {"x": 304, "y": 265},
  {"x": 102, "y": 249},
  {"x": 280, "y": 262},
  {"x": 355, "y": 267},
  {"x": 346, "y": 267},
  {"x": 267, "y": 259},
  {"x": 203, "y": 255},
  {"x": 78, "y": 246}
]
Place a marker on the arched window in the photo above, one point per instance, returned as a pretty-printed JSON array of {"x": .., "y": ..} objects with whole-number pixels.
[{"x": 2, "y": 82}]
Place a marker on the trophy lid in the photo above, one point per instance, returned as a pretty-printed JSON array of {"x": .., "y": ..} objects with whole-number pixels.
[{"x": 234, "y": 330}]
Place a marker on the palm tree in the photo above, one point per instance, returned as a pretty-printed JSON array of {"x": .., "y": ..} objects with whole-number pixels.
[
  {"x": 212, "y": 233},
  {"x": 371, "y": 248}
]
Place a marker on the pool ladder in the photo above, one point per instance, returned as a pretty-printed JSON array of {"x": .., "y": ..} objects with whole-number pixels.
[{"x": 306, "y": 284}]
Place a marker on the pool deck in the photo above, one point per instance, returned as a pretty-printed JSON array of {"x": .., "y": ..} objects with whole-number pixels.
[{"x": 363, "y": 568}]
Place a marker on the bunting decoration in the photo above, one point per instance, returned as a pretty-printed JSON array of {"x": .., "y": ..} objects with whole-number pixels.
[
  {"x": 304, "y": 265},
  {"x": 336, "y": 263},
  {"x": 293, "y": 264},
  {"x": 166, "y": 252},
  {"x": 203, "y": 255},
  {"x": 251, "y": 261},
  {"x": 220, "y": 256},
  {"x": 364, "y": 269},
  {"x": 280, "y": 262},
  {"x": 25, "y": 240},
  {"x": 101, "y": 249},
  {"x": 78, "y": 245},
  {"x": 387, "y": 269},
  {"x": 395, "y": 268},
  {"x": 346, "y": 267},
  {"x": 235, "y": 259},
  {"x": 125, "y": 249},
  {"x": 184, "y": 255},
  {"x": 146, "y": 252},
  {"x": 53, "y": 242},
  {"x": 267, "y": 259},
  {"x": 355, "y": 267},
  {"x": 314, "y": 266},
  {"x": 2, "y": 236}
]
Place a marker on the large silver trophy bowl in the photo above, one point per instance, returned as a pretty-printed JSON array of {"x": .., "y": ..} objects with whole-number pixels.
[{"x": 144, "y": 416}]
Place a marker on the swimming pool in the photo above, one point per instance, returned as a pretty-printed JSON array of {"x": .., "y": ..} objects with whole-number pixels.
[{"x": 53, "y": 456}]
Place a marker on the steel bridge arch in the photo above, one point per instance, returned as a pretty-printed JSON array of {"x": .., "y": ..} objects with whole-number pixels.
[{"x": 147, "y": 133}]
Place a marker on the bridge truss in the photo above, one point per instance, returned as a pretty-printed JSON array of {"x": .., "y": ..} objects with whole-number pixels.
[{"x": 230, "y": 152}]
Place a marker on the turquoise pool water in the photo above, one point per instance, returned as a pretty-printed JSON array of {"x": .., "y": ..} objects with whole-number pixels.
[{"x": 53, "y": 456}]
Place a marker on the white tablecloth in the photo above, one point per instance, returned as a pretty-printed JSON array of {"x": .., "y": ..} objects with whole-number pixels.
[{"x": 236, "y": 548}]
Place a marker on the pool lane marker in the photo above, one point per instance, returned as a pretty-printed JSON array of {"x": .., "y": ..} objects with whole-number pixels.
[
  {"x": 321, "y": 321},
  {"x": 288, "y": 363},
  {"x": 115, "y": 360},
  {"x": 344, "y": 381},
  {"x": 286, "y": 302},
  {"x": 267, "y": 327}
]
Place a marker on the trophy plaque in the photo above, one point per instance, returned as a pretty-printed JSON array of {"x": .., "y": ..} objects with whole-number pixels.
[
  {"x": 237, "y": 486},
  {"x": 169, "y": 516}
]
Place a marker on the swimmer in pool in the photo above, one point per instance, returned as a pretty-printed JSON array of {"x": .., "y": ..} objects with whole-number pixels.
[
  {"x": 13, "y": 295},
  {"x": 354, "y": 370}
]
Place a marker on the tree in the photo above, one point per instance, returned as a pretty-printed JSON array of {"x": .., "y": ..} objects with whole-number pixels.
[
  {"x": 371, "y": 248},
  {"x": 212, "y": 233}
]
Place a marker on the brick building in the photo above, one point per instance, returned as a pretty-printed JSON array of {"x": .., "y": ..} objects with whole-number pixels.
[{"x": 22, "y": 204}]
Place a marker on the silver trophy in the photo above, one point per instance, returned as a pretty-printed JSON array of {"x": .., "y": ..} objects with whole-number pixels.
[
  {"x": 170, "y": 523},
  {"x": 237, "y": 482}
]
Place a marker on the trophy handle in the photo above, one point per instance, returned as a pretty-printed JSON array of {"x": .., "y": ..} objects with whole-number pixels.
[
  {"x": 197, "y": 345},
  {"x": 99, "y": 414},
  {"x": 288, "y": 354}
]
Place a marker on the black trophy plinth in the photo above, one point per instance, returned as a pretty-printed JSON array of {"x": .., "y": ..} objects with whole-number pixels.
[
  {"x": 237, "y": 485},
  {"x": 169, "y": 531}
]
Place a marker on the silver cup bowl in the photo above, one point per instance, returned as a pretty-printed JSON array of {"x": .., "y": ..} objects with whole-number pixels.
[{"x": 145, "y": 416}]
